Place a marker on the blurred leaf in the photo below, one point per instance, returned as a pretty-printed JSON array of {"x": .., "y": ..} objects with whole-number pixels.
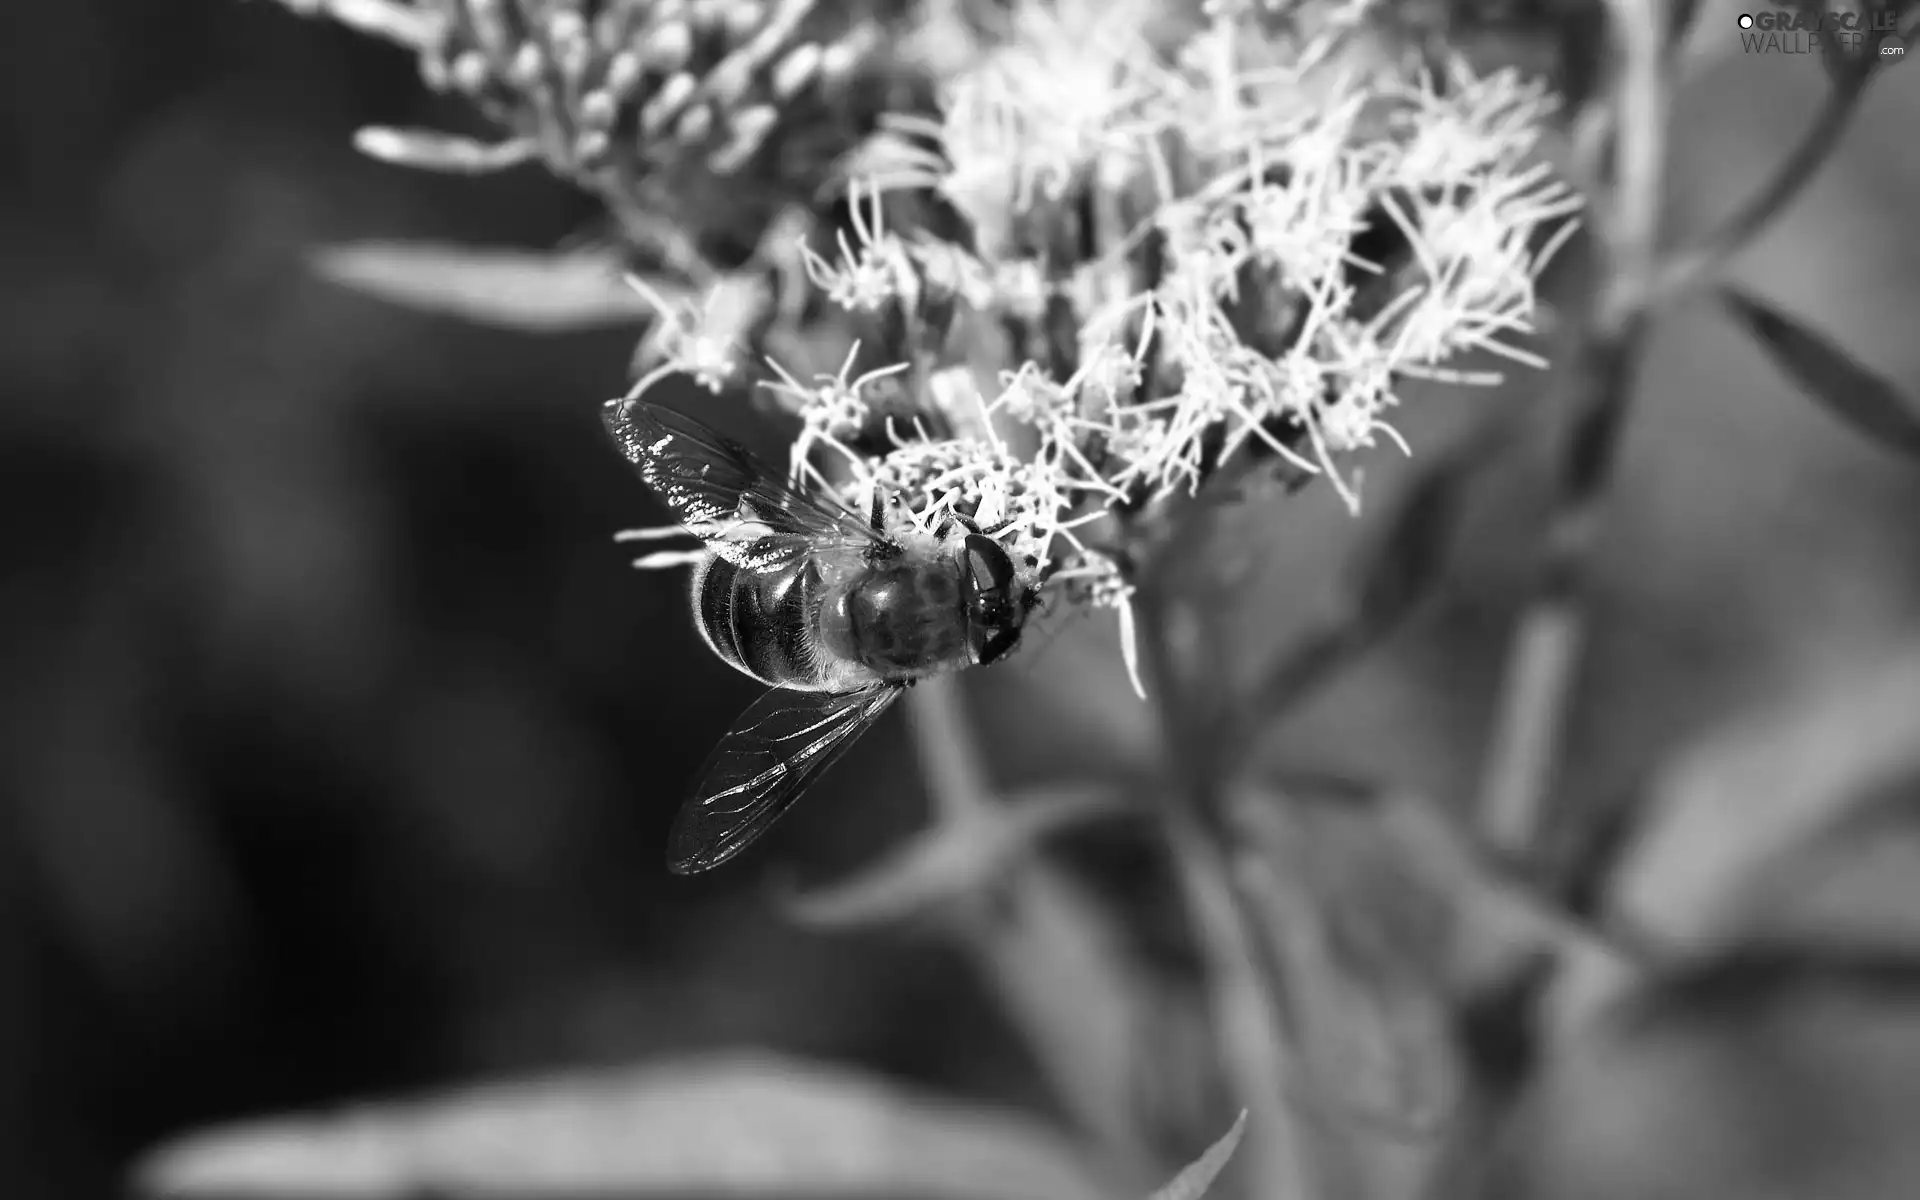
[
  {"x": 1062, "y": 968},
  {"x": 520, "y": 290},
  {"x": 1718, "y": 850},
  {"x": 1681, "y": 18},
  {"x": 741, "y": 1125},
  {"x": 955, "y": 859},
  {"x": 1737, "y": 980},
  {"x": 1051, "y": 952},
  {"x": 414, "y": 28},
  {"x": 1766, "y": 1073},
  {"x": 429, "y": 150},
  {"x": 1856, "y": 882},
  {"x": 1766, "y": 783},
  {"x": 1381, "y": 921},
  {"x": 1193, "y": 1182},
  {"x": 1356, "y": 937},
  {"x": 1830, "y": 375}
]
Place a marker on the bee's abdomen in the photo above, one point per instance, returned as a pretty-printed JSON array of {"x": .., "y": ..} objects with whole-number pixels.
[{"x": 761, "y": 622}]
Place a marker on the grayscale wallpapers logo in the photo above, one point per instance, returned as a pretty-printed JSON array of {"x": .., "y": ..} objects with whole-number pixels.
[{"x": 1806, "y": 32}]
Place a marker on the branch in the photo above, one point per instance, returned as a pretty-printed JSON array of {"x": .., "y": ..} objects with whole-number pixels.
[
  {"x": 1242, "y": 1009},
  {"x": 1045, "y": 947},
  {"x": 1692, "y": 265},
  {"x": 1537, "y": 694}
]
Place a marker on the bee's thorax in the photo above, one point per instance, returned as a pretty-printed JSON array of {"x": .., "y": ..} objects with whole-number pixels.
[{"x": 900, "y": 619}]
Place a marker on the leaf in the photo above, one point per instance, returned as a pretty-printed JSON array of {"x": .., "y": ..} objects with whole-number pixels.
[
  {"x": 1192, "y": 1182},
  {"x": 1362, "y": 906},
  {"x": 428, "y": 150},
  {"x": 1054, "y": 957},
  {"x": 954, "y": 860},
  {"x": 1721, "y": 848},
  {"x": 1063, "y": 970},
  {"x": 1681, "y": 18},
  {"x": 1706, "y": 1082},
  {"x": 740, "y": 1125},
  {"x": 1769, "y": 781},
  {"x": 521, "y": 290},
  {"x": 1384, "y": 928},
  {"x": 1830, "y": 375},
  {"x": 414, "y": 28}
]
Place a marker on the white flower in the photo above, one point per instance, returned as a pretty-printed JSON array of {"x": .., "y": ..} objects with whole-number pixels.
[
  {"x": 702, "y": 339},
  {"x": 1184, "y": 224}
]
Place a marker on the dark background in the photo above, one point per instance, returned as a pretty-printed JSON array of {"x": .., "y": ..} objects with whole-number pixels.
[{"x": 339, "y": 740}]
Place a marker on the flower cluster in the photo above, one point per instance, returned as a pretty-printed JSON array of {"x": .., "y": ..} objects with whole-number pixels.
[
  {"x": 711, "y": 114},
  {"x": 1176, "y": 245},
  {"x": 1111, "y": 246}
]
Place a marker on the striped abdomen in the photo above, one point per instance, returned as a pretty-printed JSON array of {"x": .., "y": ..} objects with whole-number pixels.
[
  {"x": 850, "y": 627},
  {"x": 763, "y": 622}
]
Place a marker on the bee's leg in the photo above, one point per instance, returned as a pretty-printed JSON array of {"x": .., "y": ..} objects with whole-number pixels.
[
  {"x": 986, "y": 531},
  {"x": 949, "y": 519},
  {"x": 877, "y": 513}
]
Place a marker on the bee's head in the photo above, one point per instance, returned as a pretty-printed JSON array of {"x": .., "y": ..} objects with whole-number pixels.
[{"x": 997, "y": 603}]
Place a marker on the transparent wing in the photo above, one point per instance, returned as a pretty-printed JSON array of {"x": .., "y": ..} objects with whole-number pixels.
[
  {"x": 778, "y": 747},
  {"x": 720, "y": 491}
]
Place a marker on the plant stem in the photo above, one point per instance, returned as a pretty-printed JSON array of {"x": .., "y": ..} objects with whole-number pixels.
[
  {"x": 1537, "y": 694},
  {"x": 1531, "y": 722},
  {"x": 1694, "y": 264},
  {"x": 1243, "y": 1014},
  {"x": 957, "y": 783},
  {"x": 1245, "y": 1019},
  {"x": 1045, "y": 947},
  {"x": 1543, "y": 664}
]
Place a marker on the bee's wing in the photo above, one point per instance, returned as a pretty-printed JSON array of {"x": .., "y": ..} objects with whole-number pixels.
[
  {"x": 713, "y": 484},
  {"x": 778, "y": 747}
]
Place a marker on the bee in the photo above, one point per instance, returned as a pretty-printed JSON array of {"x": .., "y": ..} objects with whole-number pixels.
[{"x": 837, "y": 616}]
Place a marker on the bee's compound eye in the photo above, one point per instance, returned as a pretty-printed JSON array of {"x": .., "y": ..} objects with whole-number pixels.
[
  {"x": 988, "y": 567},
  {"x": 998, "y": 646},
  {"x": 994, "y": 625}
]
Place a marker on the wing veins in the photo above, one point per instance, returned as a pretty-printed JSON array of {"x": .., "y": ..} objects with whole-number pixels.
[
  {"x": 706, "y": 834},
  {"x": 717, "y": 488}
]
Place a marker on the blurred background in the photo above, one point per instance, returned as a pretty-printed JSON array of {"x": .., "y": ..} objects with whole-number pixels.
[{"x": 339, "y": 739}]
